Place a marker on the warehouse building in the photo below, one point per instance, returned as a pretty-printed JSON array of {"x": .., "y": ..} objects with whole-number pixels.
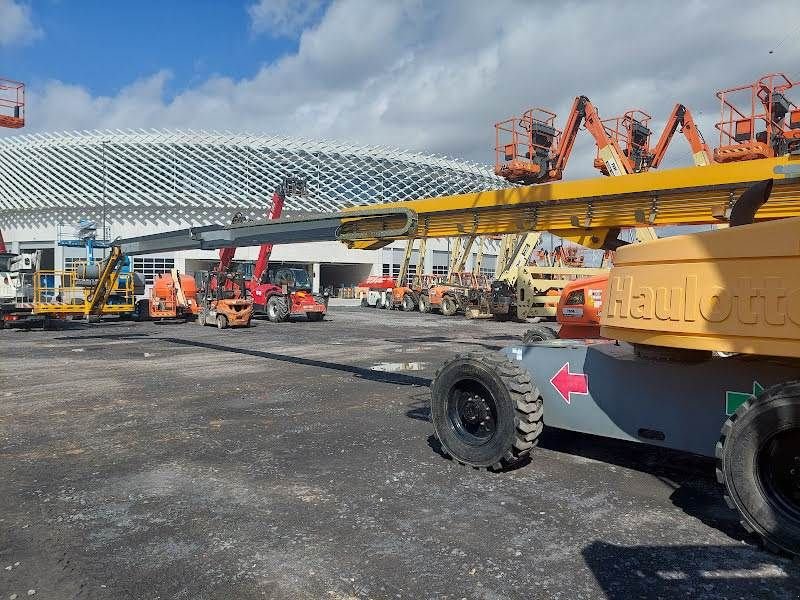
[{"x": 133, "y": 183}]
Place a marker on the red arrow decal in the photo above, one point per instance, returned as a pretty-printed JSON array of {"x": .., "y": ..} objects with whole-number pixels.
[{"x": 567, "y": 383}]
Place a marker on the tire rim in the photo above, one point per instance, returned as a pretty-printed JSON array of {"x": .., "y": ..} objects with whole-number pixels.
[
  {"x": 778, "y": 464},
  {"x": 472, "y": 412}
]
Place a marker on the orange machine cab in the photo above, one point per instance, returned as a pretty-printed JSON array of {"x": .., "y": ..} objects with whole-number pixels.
[{"x": 579, "y": 308}]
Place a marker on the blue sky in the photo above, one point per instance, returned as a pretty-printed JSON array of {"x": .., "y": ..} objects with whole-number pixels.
[
  {"x": 427, "y": 75},
  {"x": 104, "y": 45}
]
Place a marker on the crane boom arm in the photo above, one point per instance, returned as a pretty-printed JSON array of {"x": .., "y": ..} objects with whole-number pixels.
[{"x": 681, "y": 116}]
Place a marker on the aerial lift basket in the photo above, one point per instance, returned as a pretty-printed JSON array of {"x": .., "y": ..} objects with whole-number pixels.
[{"x": 12, "y": 104}]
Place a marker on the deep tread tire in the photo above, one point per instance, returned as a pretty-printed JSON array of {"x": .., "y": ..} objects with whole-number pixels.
[
  {"x": 408, "y": 303},
  {"x": 538, "y": 333},
  {"x": 449, "y": 306},
  {"x": 315, "y": 316},
  {"x": 518, "y": 403},
  {"x": 424, "y": 303},
  {"x": 201, "y": 318},
  {"x": 364, "y": 303},
  {"x": 142, "y": 312},
  {"x": 277, "y": 309},
  {"x": 744, "y": 438},
  {"x": 222, "y": 322}
]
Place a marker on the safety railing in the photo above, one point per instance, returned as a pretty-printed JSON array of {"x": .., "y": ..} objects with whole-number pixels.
[
  {"x": 750, "y": 116},
  {"x": 61, "y": 293},
  {"x": 524, "y": 144},
  {"x": 12, "y": 104}
]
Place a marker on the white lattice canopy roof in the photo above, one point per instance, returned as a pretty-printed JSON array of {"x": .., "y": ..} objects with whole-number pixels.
[{"x": 187, "y": 169}]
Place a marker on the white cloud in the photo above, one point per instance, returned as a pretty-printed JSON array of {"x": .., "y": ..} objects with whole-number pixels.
[
  {"x": 283, "y": 18},
  {"x": 435, "y": 77},
  {"x": 16, "y": 25}
]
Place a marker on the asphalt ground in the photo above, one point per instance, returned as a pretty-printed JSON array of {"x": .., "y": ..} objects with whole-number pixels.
[{"x": 156, "y": 460}]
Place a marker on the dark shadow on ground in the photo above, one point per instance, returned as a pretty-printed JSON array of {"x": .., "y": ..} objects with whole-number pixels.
[
  {"x": 104, "y": 336},
  {"x": 691, "y": 477},
  {"x": 420, "y": 407},
  {"x": 699, "y": 572},
  {"x": 369, "y": 374},
  {"x": 435, "y": 445}
]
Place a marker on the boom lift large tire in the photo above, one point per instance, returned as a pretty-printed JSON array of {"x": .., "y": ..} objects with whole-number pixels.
[
  {"x": 511, "y": 315},
  {"x": 277, "y": 309},
  {"x": 424, "y": 303},
  {"x": 758, "y": 462},
  {"x": 485, "y": 409},
  {"x": 408, "y": 303},
  {"x": 538, "y": 333},
  {"x": 449, "y": 306},
  {"x": 142, "y": 312}
]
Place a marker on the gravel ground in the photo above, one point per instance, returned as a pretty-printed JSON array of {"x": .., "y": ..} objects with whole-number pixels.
[{"x": 297, "y": 461}]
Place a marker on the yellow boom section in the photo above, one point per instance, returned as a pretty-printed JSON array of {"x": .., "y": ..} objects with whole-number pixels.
[{"x": 585, "y": 210}]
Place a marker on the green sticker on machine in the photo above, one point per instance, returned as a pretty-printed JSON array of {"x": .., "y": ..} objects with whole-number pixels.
[{"x": 734, "y": 400}]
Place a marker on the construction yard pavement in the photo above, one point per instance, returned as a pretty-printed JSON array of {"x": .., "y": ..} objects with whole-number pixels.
[{"x": 296, "y": 460}]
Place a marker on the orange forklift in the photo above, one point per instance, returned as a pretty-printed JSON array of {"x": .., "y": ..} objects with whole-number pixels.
[
  {"x": 223, "y": 300},
  {"x": 453, "y": 296}
]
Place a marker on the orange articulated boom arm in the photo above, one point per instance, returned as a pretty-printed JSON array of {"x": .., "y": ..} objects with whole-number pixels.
[
  {"x": 568, "y": 137},
  {"x": 583, "y": 111},
  {"x": 683, "y": 117},
  {"x": 608, "y": 149}
]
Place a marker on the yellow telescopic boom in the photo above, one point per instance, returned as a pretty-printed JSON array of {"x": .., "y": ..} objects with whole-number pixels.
[{"x": 589, "y": 210}]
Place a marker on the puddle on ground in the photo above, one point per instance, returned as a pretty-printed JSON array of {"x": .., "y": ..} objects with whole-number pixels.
[
  {"x": 412, "y": 349},
  {"x": 393, "y": 367}
]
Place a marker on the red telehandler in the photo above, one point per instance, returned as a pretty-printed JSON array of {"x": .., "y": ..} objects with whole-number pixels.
[{"x": 283, "y": 293}]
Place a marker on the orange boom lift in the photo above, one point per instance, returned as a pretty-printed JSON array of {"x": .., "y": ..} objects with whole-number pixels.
[
  {"x": 12, "y": 114},
  {"x": 758, "y": 120}
]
